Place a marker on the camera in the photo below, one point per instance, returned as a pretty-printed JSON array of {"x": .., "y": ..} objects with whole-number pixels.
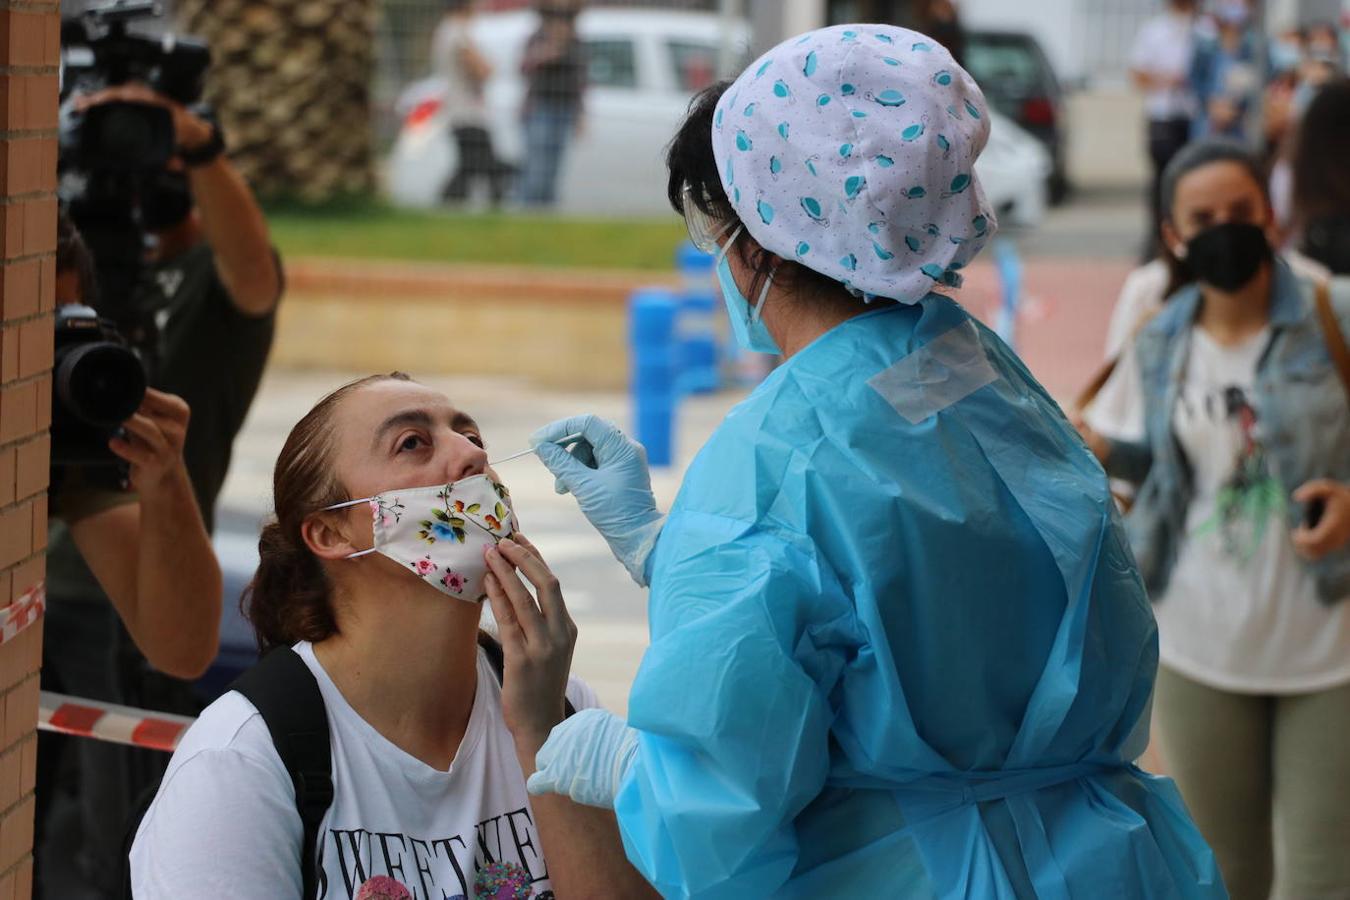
[
  {"x": 98, "y": 382},
  {"x": 113, "y": 155},
  {"x": 101, "y": 51}
]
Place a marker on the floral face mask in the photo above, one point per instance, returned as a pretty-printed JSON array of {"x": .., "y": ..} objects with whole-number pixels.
[{"x": 440, "y": 532}]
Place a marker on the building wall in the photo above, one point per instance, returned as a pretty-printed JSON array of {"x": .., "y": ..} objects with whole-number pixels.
[{"x": 29, "y": 50}]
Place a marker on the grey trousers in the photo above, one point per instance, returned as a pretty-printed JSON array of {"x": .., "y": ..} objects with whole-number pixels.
[{"x": 1251, "y": 766}]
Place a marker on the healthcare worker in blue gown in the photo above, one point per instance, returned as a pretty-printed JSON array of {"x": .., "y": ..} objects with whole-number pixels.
[{"x": 899, "y": 648}]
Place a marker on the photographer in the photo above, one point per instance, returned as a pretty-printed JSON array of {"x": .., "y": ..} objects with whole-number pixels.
[
  {"x": 213, "y": 286},
  {"x": 146, "y": 550},
  {"x": 210, "y": 286}
]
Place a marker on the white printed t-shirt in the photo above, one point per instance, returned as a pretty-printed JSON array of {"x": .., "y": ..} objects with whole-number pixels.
[
  {"x": 224, "y": 822},
  {"x": 1241, "y": 611}
]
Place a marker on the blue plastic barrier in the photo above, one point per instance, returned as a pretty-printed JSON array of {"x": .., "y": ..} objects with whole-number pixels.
[
  {"x": 699, "y": 311},
  {"x": 699, "y": 353},
  {"x": 652, "y": 317},
  {"x": 1009, "y": 265}
]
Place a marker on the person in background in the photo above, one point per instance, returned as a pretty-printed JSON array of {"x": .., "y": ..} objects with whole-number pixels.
[
  {"x": 1321, "y": 178},
  {"x": 149, "y": 553},
  {"x": 1322, "y": 207},
  {"x": 1160, "y": 66},
  {"x": 1288, "y": 101},
  {"x": 464, "y": 72},
  {"x": 555, "y": 70},
  {"x": 1226, "y": 74},
  {"x": 1118, "y": 401},
  {"x": 1239, "y": 537},
  {"x": 1279, "y": 117},
  {"x": 940, "y": 20},
  {"x": 1325, "y": 44},
  {"x": 212, "y": 284}
]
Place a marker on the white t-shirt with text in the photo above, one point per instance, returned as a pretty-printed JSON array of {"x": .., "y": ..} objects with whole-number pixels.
[
  {"x": 1241, "y": 611},
  {"x": 224, "y": 822}
]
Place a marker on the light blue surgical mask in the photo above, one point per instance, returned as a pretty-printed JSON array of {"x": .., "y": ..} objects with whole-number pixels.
[
  {"x": 747, "y": 322},
  {"x": 1285, "y": 56}
]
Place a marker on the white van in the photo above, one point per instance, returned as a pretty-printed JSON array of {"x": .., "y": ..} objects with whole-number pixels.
[{"x": 645, "y": 66}]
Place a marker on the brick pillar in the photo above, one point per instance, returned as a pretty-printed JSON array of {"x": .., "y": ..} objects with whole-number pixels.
[{"x": 29, "y": 53}]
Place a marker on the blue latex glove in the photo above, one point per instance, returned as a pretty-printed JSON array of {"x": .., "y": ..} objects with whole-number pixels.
[
  {"x": 607, "y": 472},
  {"x": 585, "y": 758}
]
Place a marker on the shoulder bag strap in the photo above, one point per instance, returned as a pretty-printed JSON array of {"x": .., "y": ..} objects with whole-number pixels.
[
  {"x": 1096, "y": 383},
  {"x": 285, "y": 693},
  {"x": 1331, "y": 332},
  {"x": 1108, "y": 368}
]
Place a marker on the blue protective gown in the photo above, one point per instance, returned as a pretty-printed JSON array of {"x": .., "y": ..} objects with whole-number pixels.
[{"x": 899, "y": 646}]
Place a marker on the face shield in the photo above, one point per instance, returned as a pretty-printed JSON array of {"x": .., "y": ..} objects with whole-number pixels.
[{"x": 704, "y": 230}]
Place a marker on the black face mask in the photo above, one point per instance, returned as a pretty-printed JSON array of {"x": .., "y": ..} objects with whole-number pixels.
[
  {"x": 1228, "y": 256},
  {"x": 166, "y": 200}
]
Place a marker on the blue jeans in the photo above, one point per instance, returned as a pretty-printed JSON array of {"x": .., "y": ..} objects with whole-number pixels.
[{"x": 548, "y": 128}]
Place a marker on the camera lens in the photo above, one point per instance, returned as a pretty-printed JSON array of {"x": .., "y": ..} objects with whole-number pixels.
[
  {"x": 101, "y": 384},
  {"x": 126, "y": 137},
  {"x": 126, "y": 134}
]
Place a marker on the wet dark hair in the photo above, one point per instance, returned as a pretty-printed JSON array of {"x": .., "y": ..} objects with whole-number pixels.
[
  {"x": 691, "y": 162},
  {"x": 1206, "y": 153},
  {"x": 1321, "y": 152},
  {"x": 72, "y": 255},
  {"x": 289, "y": 599}
]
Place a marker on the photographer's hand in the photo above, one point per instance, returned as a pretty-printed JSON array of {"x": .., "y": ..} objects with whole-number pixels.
[
  {"x": 190, "y": 131},
  {"x": 154, "y": 558},
  {"x": 230, "y": 217},
  {"x": 153, "y": 440}
]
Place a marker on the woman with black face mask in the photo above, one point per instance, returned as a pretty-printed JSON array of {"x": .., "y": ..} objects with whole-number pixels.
[{"x": 1242, "y": 444}]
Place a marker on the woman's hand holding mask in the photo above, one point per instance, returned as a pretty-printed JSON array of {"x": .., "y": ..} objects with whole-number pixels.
[
  {"x": 607, "y": 472},
  {"x": 537, "y": 641}
]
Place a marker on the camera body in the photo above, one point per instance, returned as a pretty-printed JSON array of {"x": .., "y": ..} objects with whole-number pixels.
[
  {"x": 98, "y": 382},
  {"x": 111, "y": 155},
  {"x": 101, "y": 51}
]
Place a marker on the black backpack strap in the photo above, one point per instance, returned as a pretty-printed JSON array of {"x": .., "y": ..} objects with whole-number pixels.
[
  {"x": 283, "y": 690},
  {"x": 492, "y": 648}
]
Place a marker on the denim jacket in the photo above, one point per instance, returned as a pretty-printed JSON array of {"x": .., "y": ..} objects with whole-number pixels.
[{"x": 1305, "y": 423}]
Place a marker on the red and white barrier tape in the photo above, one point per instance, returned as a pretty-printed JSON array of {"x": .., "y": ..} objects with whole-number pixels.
[
  {"x": 22, "y": 612},
  {"x": 106, "y": 722}
]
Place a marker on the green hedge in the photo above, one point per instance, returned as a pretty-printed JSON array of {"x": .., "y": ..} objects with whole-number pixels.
[{"x": 357, "y": 230}]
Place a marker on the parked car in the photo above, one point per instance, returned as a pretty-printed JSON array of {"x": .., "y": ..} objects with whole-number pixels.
[
  {"x": 645, "y": 66},
  {"x": 1019, "y": 81}
]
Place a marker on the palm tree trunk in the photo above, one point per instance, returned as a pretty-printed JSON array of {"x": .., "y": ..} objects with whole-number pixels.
[{"x": 290, "y": 81}]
